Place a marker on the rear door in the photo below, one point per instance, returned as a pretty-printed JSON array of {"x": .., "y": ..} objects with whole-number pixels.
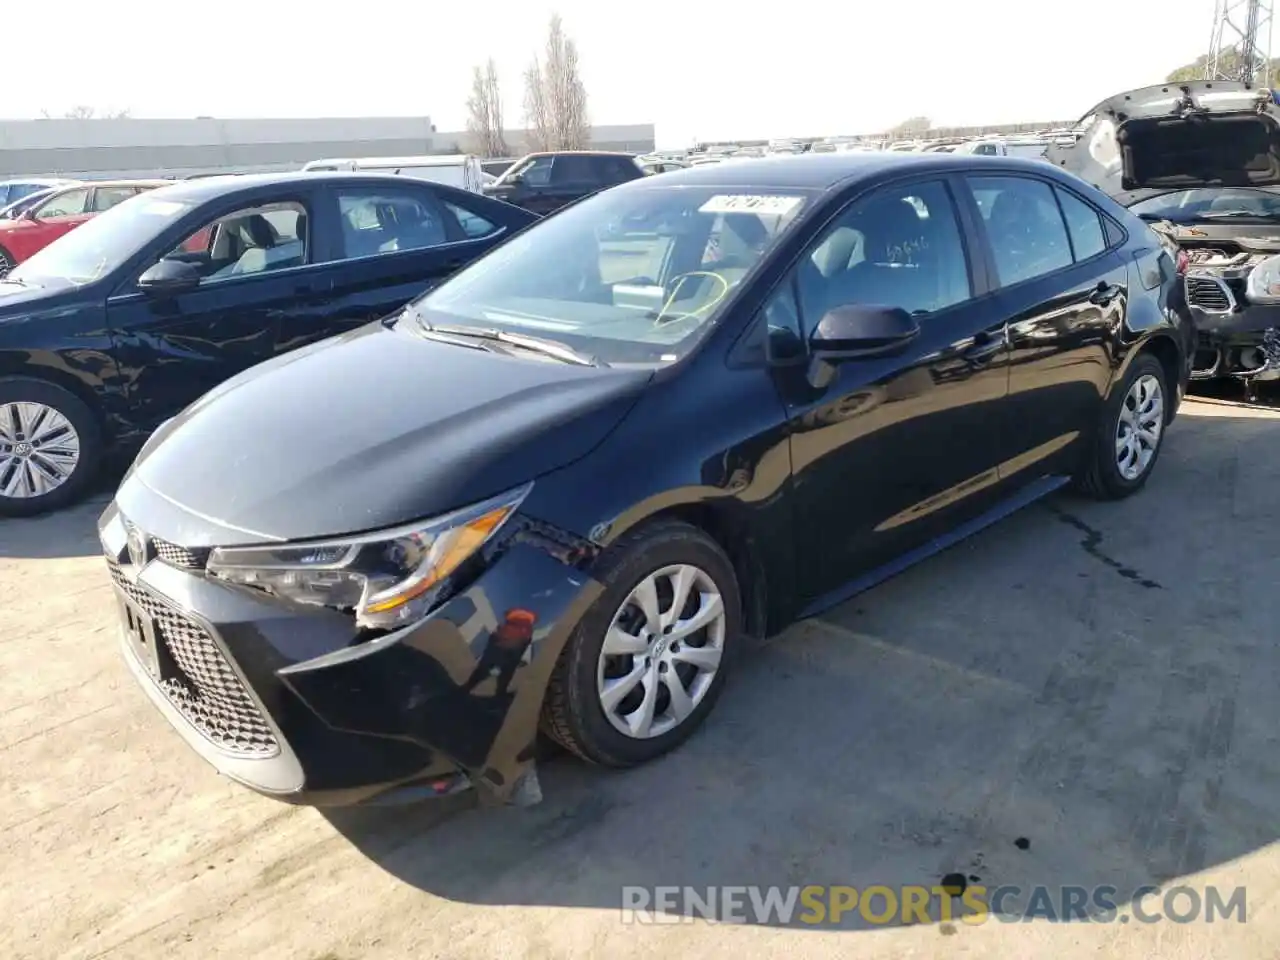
[
  {"x": 1064, "y": 287},
  {"x": 384, "y": 244}
]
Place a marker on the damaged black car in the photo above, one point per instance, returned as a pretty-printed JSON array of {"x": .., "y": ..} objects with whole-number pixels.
[{"x": 1200, "y": 162}]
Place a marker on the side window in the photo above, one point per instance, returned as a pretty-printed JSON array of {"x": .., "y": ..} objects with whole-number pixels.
[
  {"x": 104, "y": 198},
  {"x": 388, "y": 221},
  {"x": 572, "y": 168},
  {"x": 1083, "y": 224},
  {"x": 249, "y": 241},
  {"x": 68, "y": 204},
  {"x": 473, "y": 225},
  {"x": 899, "y": 247},
  {"x": 775, "y": 334},
  {"x": 621, "y": 169},
  {"x": 1024, "y": 227},
  {"x": 537, "y": 173}
]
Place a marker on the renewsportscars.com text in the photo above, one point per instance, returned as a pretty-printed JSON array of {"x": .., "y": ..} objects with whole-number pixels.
[{"x": 884, "y": 905}]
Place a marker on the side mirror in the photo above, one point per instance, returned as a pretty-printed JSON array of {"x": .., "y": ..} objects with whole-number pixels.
[
  {"x": 169, "y": 276},
  {"x": 32, "y": 213},
  {"x": 862, "y": 330}
]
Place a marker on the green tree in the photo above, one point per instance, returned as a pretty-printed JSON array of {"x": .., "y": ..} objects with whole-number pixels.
[{"x": 1229, "y": 61}]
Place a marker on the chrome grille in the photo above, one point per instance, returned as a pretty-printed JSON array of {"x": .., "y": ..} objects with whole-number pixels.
[
  {"x": 204, "y": 688},
  {"x": 1209, "y": 293}
]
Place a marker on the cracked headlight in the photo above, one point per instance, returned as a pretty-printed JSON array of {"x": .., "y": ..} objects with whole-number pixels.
[
  {"x": 386, "y": 578},
  {"x": 1263, "y": 285}
]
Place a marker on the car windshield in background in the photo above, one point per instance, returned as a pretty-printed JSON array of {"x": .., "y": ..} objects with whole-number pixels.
[
  {"x": 1214, "y": 203},
  {"x": 102, "y": 243},
  {"x": 629, "y": 276}
]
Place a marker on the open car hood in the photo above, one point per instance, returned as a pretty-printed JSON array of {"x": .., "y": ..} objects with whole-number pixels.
[{"x": 1176, "y": 136}]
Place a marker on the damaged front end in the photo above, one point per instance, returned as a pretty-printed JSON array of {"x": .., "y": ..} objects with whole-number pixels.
[
  {"x": 1200, "y": 163},
  {"x": 1232, "y": 289}
]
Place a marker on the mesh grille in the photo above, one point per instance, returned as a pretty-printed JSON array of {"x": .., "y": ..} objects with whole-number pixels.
[
  {"x": 177, "y": 556},
  {"x": 204, "y": 688},
  {"x": 1208, "y": 293}
]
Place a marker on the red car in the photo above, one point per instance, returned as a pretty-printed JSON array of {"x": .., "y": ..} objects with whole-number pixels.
[{"x": 60, "y": 212}]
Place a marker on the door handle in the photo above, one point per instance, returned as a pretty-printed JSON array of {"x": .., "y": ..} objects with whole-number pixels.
[
  {"x": 1104, "y": 293},
  {"x": 985, "y": 346}
]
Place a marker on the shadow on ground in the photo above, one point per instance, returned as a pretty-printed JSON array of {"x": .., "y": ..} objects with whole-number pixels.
[
  {"x": 72, "y": 532},
  {"x": 1094, "y": 682}
]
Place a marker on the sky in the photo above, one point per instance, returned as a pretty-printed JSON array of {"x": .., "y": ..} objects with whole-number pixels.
[{"x": 697, "y": 69}]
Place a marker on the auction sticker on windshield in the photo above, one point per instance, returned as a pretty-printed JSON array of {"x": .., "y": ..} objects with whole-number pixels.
[{"x": 775, "y": 206}]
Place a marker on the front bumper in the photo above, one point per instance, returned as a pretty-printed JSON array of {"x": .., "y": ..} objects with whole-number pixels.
[
  {"x": 1234, "y": 339},
  {"x": 293, "y": 702}
]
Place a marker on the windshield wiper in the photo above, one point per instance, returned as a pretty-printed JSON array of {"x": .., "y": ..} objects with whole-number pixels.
[
  {"x": 549, "y": 348},
  {"x": 1237, "y": 215}
]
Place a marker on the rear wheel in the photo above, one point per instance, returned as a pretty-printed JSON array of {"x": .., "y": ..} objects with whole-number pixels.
[
  {"x": 647, "y": 662},
  {"x": 1129, "y": 438},
  {"x": 50, "y": 446}
]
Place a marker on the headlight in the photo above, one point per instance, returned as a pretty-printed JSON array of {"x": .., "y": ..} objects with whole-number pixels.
[
  {"x": 386, "y": 578},
  {"x": 1263, "y": 285}
]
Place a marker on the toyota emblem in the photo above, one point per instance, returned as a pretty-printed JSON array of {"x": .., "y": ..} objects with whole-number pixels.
[{"x": 137, "y": 542}]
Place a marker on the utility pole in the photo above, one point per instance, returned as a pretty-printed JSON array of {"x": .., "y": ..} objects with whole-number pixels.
[{"x": 1240, "y": 45}]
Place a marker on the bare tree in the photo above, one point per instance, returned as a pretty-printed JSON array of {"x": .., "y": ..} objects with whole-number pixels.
[
  {"x": 537, "y": 118},
  {"x": 484, "y": 111},
  {"x": 555, "y": 98}
]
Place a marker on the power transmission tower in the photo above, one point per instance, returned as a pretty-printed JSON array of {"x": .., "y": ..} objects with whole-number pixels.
[{"x": 1240, "y": 47}]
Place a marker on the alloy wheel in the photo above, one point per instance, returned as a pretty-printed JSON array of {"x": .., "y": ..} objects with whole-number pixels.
[
  {"x": 5, "y": 264},
  {"x": 661, "y": 652},
  {"x": 1140, "y": 426},
  {"x": 39, "y": 450}
]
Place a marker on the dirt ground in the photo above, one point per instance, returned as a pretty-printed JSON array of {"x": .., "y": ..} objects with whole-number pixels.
[{"x": 1096, "y": 679}]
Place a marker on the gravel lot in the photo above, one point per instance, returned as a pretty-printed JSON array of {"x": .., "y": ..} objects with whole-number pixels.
[{"x": 1099, "y": 679}]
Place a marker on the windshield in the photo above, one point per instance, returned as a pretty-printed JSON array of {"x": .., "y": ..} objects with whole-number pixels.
[
  {"x": 1185, "y": 206},
  {"x": 633, "y": 275},
  {"x": 102, "y": 243}
]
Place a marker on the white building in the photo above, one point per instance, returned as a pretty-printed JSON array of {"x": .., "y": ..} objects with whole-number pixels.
[{"x": 132, "y": 147}]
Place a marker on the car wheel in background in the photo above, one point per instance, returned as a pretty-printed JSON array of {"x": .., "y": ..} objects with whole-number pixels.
[
  {"x": 6, "y": 262},
  {"x": 1129, "y": 438},
  {"x": 645, "y": 665},
  {"x": 50, "y": 446}
]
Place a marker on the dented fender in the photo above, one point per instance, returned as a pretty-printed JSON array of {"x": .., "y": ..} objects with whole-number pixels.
[{"x": 440, "y": 682}]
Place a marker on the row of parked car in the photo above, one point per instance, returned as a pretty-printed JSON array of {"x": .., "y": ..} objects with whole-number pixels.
[{"x": 421, "y": 476}]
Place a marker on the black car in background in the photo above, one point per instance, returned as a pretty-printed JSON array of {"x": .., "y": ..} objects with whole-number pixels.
[
  {"x": 690, "y": 408},
  {"x": 545, "y": 182},
  {"x": 118, "y": 325}
]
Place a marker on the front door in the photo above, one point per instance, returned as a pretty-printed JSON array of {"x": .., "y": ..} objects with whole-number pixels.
[
  {"x": 46, "y": 222},
  {"x": 1063, "y": 287},
  {"x": 894, "y": 451},
  {"x": 257, "y": 269}
]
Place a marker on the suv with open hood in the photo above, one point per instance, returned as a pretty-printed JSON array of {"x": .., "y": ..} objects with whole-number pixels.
[{"x": 1200, "y": 162}]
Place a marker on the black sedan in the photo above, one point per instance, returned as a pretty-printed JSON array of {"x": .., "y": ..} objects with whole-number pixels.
[
  {"x": 122, "y": 322},
  {"x": 557, "y": 491}
]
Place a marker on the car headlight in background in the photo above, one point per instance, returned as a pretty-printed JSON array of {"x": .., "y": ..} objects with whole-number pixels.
[
  {"x": 1263, "y": 285},
  {"x": 386, "y": 578}
]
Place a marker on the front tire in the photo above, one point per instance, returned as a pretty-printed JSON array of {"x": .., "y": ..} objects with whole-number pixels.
[
  {"x": 647, "y": 662},
  {"x": 50, "y": 446},
  {"x": 1131, "y": 434},
  {"x": 7, "y": 262}
]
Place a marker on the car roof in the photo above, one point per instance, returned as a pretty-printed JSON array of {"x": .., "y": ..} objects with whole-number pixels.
[
  {"x": 210, "y": 188},
  {"x": 827, "y": 171}
]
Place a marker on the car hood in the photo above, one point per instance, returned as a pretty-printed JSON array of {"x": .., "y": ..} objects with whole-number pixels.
[
  {"x": 17, "y": 299},
  {"x": 1155, "y": 140},
  {"x": 371, "y": 429}
]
